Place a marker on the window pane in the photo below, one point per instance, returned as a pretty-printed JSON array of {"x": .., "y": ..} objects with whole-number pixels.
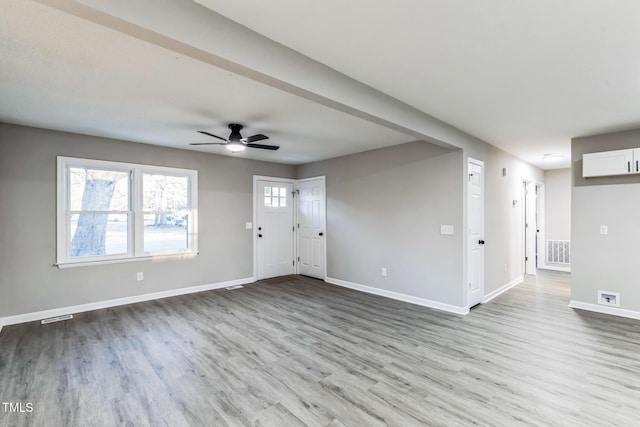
[
  {"x": 165, "y": 193},
  {"x": 267, "y": 191},
  {"x": 98, "y": 190},
  {"x": 98, "y": 235},
  {"x": 267, "y": 201},
  {"x": 274, "y": 202},
  {"x": 165, "y": 232},
  {"x": 283, "y": 192},
  {"x": 283, "y": 202}
]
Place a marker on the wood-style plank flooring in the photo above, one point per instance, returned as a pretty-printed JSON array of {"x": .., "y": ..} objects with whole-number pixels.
[{"x": 308, "y": 353}]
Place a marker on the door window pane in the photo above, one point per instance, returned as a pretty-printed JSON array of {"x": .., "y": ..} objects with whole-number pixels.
[{"x": 275, "y": 197}]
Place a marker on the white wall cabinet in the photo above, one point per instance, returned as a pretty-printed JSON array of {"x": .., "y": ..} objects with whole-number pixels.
[{"x": 607, "y": 163}]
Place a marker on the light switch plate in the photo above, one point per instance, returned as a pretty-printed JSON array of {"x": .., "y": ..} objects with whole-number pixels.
[
  {"x": 446, "y": 229},
  {"x": 249, "y": 225},
  {"x": 604, "y": 229}
]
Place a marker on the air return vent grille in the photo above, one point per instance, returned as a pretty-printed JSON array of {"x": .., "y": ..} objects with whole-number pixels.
[{"x": 558, "y": 252}]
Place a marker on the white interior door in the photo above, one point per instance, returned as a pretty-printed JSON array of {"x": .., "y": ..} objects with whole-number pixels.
[
  {"x": 530, "y": 227},
  {"x": 274, "y": 229},
  {"x": 312, "y": 228},
  {"x": 475, "y": 268}
]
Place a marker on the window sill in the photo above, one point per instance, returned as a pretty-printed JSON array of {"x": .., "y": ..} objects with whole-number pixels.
[{"x": 159, "y": 258}]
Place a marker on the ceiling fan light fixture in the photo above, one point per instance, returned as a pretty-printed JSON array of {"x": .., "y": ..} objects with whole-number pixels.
[
  {"x": 236, "y": 143},
  {"x": 235, "y": 146}
]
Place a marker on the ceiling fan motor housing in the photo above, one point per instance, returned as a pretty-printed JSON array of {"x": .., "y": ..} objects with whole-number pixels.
[{"x": 235, "y": 132}]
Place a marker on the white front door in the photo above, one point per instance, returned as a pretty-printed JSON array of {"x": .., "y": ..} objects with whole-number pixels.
[
  {"x": 274, "y": 229},
  {"x": 475, "y": 270},
  {"x": 311, "y": 231}
]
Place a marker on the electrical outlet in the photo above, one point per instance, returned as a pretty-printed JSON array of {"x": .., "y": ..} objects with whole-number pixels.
[
  {"x": 604, "y": 229},
  {"x": 383, "y": 272},
  {"x": 139, "y": 276}
]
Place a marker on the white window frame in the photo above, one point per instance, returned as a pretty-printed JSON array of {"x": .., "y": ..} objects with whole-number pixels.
[{"x": 135, "y": 214}]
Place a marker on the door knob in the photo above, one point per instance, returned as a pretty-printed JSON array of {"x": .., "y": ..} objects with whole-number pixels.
[
  {"x": 481, "y": 242},
  {"x": 320, "y": 234},
  {"x": 259, "y": 235}
]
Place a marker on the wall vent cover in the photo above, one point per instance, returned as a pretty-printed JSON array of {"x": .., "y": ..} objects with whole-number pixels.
[
  {"x": 609, "y": 298},
  {"x": 558, "y": 251}
]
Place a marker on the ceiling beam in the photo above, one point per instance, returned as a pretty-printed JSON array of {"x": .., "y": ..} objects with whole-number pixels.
[{"x": 189, "y": 29}]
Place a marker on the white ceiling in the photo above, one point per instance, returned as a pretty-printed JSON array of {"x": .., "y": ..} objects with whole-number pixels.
[
  {"x": 64, "y": 73},
  {"x": 524, "y": 76}
]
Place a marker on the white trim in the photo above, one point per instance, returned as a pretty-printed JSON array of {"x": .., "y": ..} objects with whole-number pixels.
[
  {"x": 169, "y": 257},
  {"x": 1, "y": 324},
  {"x": 323, "y": 178},
  {"x": 502, "y": 289},
  {"x": 39, "y": 315},
  {"x": 631, "y": 314},
  {"x": 135, "y": 214},
  {"x": 555, "y": 268},
  {"x": 400, "y": 297},
  {"x": 466, "y": 285},
  {"x": 257, "y": 178}
]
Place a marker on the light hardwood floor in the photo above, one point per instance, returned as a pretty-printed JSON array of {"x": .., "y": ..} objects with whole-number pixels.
[{"x": 308, "y": 353}]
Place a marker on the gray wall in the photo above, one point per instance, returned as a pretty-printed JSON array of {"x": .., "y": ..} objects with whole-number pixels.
[
  {"x": 605, "y": 262},
  {"x": 29, "y": 282},
  {"x": 557, "y": 204},
  {"x": 384, "y": 209},
  {"x": 504, "y": 222}
]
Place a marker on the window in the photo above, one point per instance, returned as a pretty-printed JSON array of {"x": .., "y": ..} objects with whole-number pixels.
[
  {"x": 275, "y": 197},
  {"x": 110, "y": 211}
]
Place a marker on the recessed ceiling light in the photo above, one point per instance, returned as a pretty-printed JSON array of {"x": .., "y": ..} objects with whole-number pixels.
[{"x": 553, "y": 156}]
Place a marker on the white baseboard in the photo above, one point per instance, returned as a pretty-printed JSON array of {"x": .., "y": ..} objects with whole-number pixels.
[
  {"x": 605, "y": 309},
  {"x": 39, "y": 315},
  {"x": 400, "y": 297},
  {"x": 555, "y": 268},
  {"x": 502, "y": 289}
]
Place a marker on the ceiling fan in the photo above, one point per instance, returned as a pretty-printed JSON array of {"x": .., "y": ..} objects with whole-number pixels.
[{"x": 236, "y": 142}]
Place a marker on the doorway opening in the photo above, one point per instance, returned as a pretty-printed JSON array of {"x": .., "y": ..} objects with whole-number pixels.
[
  {"x": 532, "y": 193},
  {"x": 289, "y": 227},
  {"x": 475, "y": 236}
]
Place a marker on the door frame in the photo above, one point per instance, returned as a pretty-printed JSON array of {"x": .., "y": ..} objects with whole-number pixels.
[
  {"x": 533, "y": 201},
  {"x": 471, "y": 160},
  {"x": 297, "y": 207},
  {"x": 254, "y": 196}
]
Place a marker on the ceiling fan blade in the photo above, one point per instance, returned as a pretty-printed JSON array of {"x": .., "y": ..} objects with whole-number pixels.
[
  {"x": 264, "y": 147},
  {"x": 208, "y": 143},
  {"x": 258, "y": 137},
  {"x": 210, "y": 134}
]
